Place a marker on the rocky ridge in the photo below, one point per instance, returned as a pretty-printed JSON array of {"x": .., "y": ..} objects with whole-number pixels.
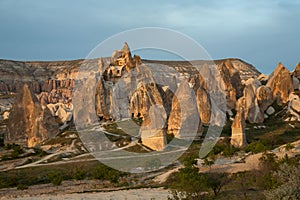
[{"x": 165, "y": 95}]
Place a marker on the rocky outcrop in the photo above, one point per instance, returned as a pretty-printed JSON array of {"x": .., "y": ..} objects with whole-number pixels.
[
  {"x": 122, "y": 86},
  {"x": 296, "y": 72},
  {"x": 238, "y": 135},
  {"x": 184, "y": 117},
  {"x": 233, "y": 83},
  {"x": 281, "y": 84},
  {"x": 263, "y": 79},
  {"x": 253, "y": 112},
  {"x": 153, "y": 130},
  {"x": 296, "y": 83},
  {"x": 203, "y": 105},
  {"x": 28, "y": 123},
  {"x": 264, "y": 95},
  {"x": 199, "y": 86},
  {"x": 63, "y": 112},
  {"x": 294, "y": 107}
]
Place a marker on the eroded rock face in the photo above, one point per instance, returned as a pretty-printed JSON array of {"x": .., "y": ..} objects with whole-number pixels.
[
  {"x": 264, "y": 96},
  {"x": 253, "y": 112},
  {"x": 281, "y": 84},
  {"x": 233, "y": 83},
  {"x": 297, "y": 71},
  {"x": 238, "y": 135},
  {"x": 296, "y": 83},
  {"x": 153, "y": 130},
  {"x": 203, "y": 105},
  {"x": 184, "y": 117},
  {"x": 62, "y": 111},
  {"x": 263, "y": 78},
  {"x": 294, "y": 106},
  {"x": 123, "y": 87},
  {"x": 29, "y": 124}
]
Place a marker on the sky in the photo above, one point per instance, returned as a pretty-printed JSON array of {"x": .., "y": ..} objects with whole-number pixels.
[{"x": 262, "y": 33}]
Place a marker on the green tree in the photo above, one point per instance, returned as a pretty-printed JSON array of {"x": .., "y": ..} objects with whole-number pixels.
[
  {"x": 188, "y": 184},
  {"x": 216, "y": 181}
]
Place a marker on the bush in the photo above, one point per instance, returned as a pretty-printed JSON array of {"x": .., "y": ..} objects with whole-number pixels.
[
  {"x": 289, "y": 161},
  {"x": 79, "y": 174},
  {"x": 230, "y": 151},
  {"x": 256, "y": 147},
  {"x": 268, "y": 162},
  {"x": 289, "y": 183},
  {"x": 100, "y": 172},
  {"x": 289, "y": 146},
  {"x": 55, "y": 178},
  {"x": 190, "y": 161},
  {"x": 187, "y": 183},
  {"x": 17, "y": 150},
  {"x": 5, "y": 157},
  {"x": 22, "y": 187},
  {"x": 103, "y": 172},
  {"x": 218, "y": 148}
]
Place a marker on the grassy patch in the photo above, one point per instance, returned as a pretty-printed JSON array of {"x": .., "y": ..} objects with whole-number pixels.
[
  {"x": 56, "y": 174},
  {"x": 113, "y": 128}
]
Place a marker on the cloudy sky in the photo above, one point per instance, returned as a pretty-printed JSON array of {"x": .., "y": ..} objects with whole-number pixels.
[{"x": 260, "y": 32}]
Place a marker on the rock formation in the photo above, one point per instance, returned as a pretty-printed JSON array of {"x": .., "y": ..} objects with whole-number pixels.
[
  {"x": 264, "y": 96},
  {"x": 153, "y": 130},
  {"x": 233, "y": 83},
  {"x": 168, "y": 97},
  {"x": 297, "y": 71},
  {"x": 238, "y": 136},
  {"x": 281, "y": 84},
  {"x": 184, "y": 117},
  {"x": 29, "y": 124},
  {"x": 253, "y": 112},
  {"x": 294, "y": 107}
]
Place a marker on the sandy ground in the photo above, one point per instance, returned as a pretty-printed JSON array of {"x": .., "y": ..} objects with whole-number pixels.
[
  {"x": 135, "y": 194},
  {"x": 251, "y": 161}
]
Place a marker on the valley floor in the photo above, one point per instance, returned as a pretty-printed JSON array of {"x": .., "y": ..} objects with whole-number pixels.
[{"x": 144, "y": 193}]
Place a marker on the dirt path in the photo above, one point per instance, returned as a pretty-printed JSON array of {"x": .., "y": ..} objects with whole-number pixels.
[
  {"x": 86, "y": 189},
  {"x": 136, "y": 194}
]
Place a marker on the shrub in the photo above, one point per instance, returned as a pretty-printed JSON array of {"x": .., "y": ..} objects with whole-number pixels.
[
  {"x": 289, "y": 183},
  {"x": 190, "y": 161},
  {"x": 22, "y": 187},
  {"x": 289, "y": 146},
  {"x": 268, "y": 161},
  {"x": 102, "y": 172},
  {"x": 256, "y": 147},
  {"x": 229, "y": 151},
  {"x": 289, "y": 161},
  {"x": 55, "y": 178},
  {"x": 79, "y": 174},
  {"x": 187, "y": 183}
]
